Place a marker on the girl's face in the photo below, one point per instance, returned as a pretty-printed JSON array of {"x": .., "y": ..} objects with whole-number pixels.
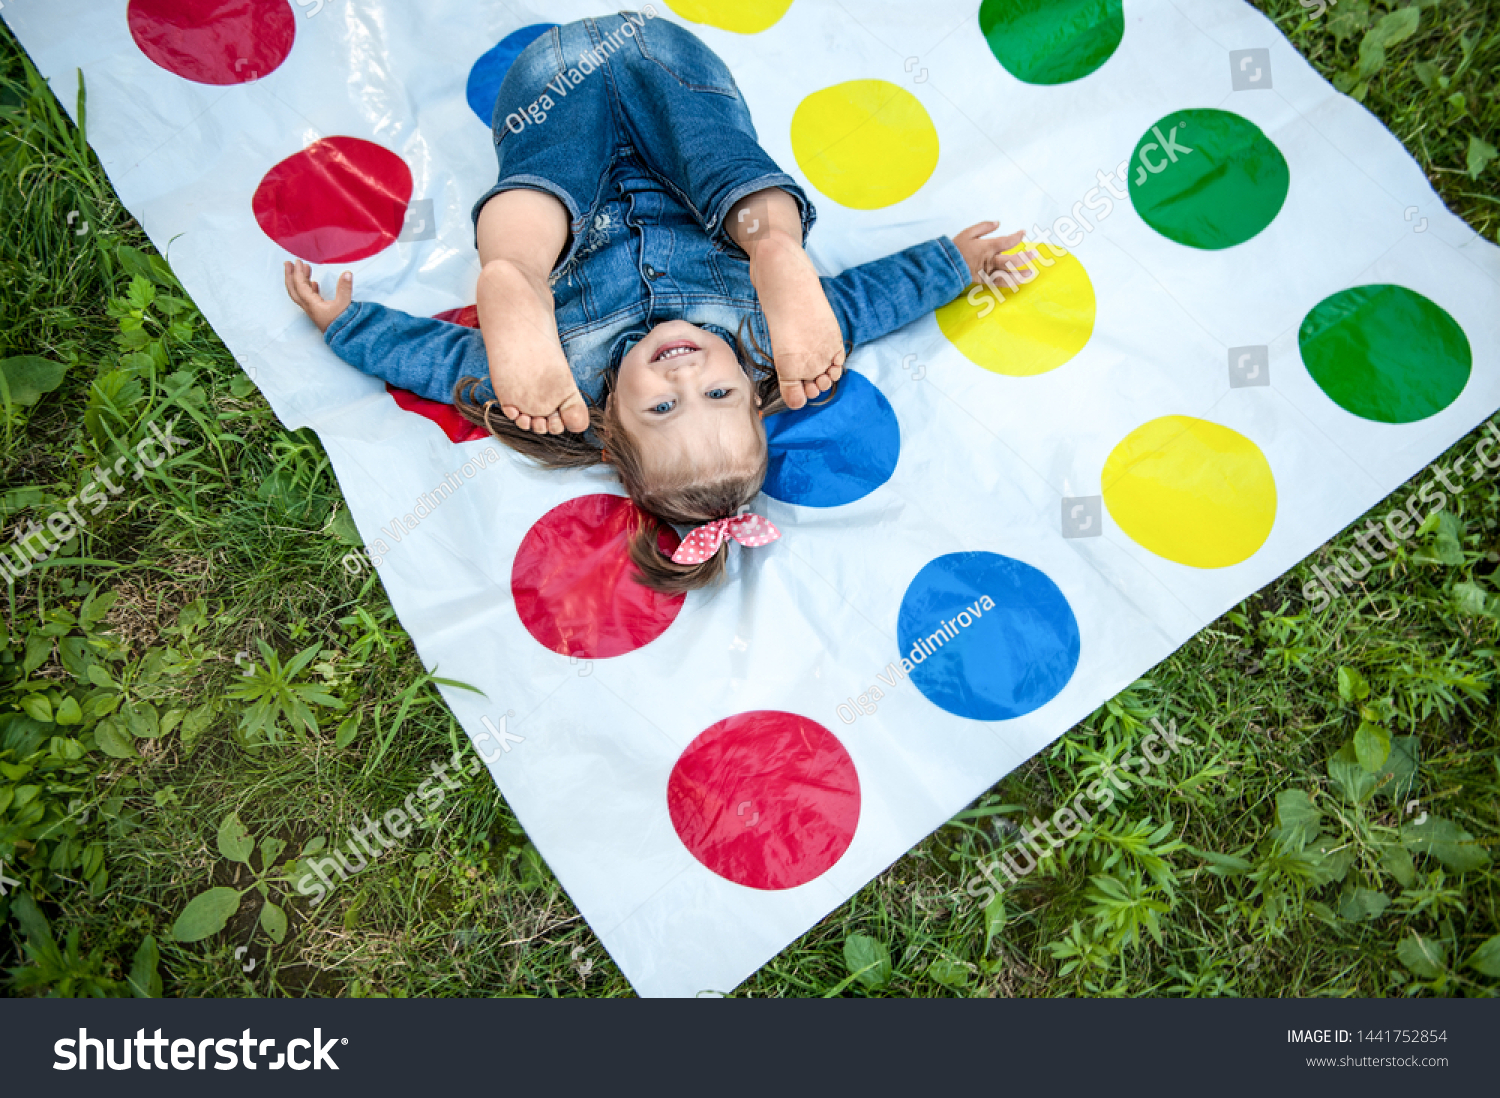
[{"x": 686, "y": 401}]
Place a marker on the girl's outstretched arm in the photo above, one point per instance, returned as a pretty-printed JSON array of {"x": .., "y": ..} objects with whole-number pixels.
[
  {"x": 876, "y": 298},
  {"x": 425, "y": 356},
  {"x": 304, "y": 291},
  {"x": 987, "y": 255}
]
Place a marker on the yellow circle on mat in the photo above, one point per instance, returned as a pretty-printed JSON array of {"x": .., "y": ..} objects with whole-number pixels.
[
  {"x": 1027, "y": 329},
  {"x": 865, "y": 143},
  {"x": 1191, "y": 491},
  {"x": 740, "y": 16}
]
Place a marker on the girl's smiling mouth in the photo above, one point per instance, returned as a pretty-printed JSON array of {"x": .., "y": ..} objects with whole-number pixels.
[{"x": 674, "y": 348}]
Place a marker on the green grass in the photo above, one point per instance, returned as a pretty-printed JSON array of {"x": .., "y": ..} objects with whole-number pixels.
[{"x": 128, "y": 733}]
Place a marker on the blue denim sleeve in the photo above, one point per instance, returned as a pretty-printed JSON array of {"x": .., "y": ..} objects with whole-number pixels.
[
  {"x": 876, "y": 298},
  {"x": 420, "y": 354}
]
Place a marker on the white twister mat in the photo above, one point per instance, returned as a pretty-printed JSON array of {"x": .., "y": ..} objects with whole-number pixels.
[{"x": 1266, "y": 321}]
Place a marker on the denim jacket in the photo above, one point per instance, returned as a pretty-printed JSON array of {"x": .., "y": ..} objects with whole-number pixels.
[{"x": 645, "y": 268}]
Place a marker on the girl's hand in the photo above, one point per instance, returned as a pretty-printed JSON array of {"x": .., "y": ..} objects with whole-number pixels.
[
  {"x": 304, "y": 291},
  {"x": 987, "y": 255}
]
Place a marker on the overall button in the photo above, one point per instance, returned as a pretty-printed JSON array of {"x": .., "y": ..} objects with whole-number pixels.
[{"x": 652, "y": 272}]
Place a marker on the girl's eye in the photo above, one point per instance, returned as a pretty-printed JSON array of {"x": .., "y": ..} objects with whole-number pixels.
[
  {"x": 663, "y": 408},
  {"x": 718, "y": 394}
]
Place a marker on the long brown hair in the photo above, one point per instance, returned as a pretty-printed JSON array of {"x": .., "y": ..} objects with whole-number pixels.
[{"x": 691, "y": 500}]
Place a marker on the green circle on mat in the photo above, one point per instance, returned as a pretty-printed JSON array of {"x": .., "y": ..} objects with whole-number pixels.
[
  {"x": 1385, "y": 353},
  {"x": 1207, "y": 178},
  {"x": 1051, "y": 41}
]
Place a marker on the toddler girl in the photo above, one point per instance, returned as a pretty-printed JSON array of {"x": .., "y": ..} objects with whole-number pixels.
[{"x": 644, "y": 298}]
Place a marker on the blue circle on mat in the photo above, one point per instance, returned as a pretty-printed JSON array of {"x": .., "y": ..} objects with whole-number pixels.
[
  {"x": 997, "y": 662},
  {"x": 489, "y": 71},
  {"x": 835, "y": 453}
]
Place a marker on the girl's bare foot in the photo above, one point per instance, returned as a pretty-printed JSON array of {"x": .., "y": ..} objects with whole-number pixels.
[
  {"x": 533, "y": 383},
  {"x": 805, "y": 338}
]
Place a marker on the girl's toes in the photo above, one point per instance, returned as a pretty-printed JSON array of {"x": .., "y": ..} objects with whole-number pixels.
[
  {"x": 554, "y": 424},
  {"x": 575, "y": 415}
]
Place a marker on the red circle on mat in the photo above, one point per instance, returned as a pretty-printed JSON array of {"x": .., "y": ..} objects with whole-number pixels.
[
  {"x": 467, "y": 315},
  {"x": 338, "y": 200},
  {"x": 765, "y": 799},
  {"x": 446, "y": 416},
  {"x": 214, "y": 41},
  {"x": 574, "y": 582}
]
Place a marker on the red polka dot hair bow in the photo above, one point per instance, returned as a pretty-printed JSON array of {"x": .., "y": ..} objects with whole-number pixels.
[{"x": 748, "y": 529}]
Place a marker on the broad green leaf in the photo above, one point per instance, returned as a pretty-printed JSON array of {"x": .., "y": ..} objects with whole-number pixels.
[
  {"x": 1371, "y": 58},
  {"x": 69, "y": 711},
  {"x": 1424, "y": 956},
  {"x": 235, "y": 842},
  {"x": 1226, "y": 865},
  {"x": 38, "y": 934},
  {"x": 1447, "y": 842},
  {"x": 1397, "y": 26},
  {"x": 534, "y": 871},
  {"x": 868, "y": 960},
  {"x": 1359, "y": 904},
  {"x": 347, "y": 731},
  {"x": 206, "y": 914},
  {"x": 1486, "y": 958},
  {"x": 1431, "y": 76},
  {"x": 343, "y": 528},
  {"x": 137, "y": 262},
  {"x": 142, "y": 720},
  {"x": 994, "y": 919},
  {"x": 145, "y": 981},
  {"x": 1348, "y": 18},
  {"x": 1449, "y": 544},
  {"x": 38, "y": 651},
  {"x": 1352, "y": 685},
  {"x": 192, "y": 617},
  {"x": 28, "y": 377},
  {"x": 1298, "y": 817},
  {"x": 1480, "y": 154},
  {"x": 1471, "y": 599},
  {"x": 140, "y": 293},
  {"x": 1372, "y": 746},
  {"x": 1329, "y": 865},
  {"x": 949, "y": 973},
  {"x": 1395, "y": 859},
  {"x": 195, "y": 722},
  {"x": 76, "y": 657},
  {"x": 273, "y": 921},
  {"x": 37, "y": 707},
  {"x": 1399, "y": 773},
  {"x": 270, "y": 849},
  {"x": 1349, "y": 776},
  {"x": 96, "y": 608},
  {"x": 113, "y": 740}
]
